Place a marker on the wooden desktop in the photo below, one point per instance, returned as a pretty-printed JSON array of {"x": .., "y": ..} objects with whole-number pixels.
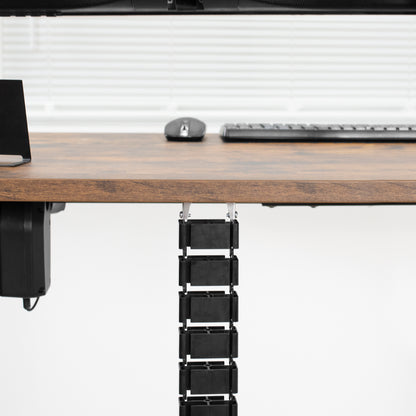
[{"x": 69, "y": 167}]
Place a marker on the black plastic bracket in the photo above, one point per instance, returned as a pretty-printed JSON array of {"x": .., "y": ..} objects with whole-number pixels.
[
  {"x": 207, "y": 406},
  {"x": 208, "y": 270},
  {"x": 14, "y": 136},
  {"x": 208, "y": 234},
  {"x": 212, "y": 377},
  {"x": 213, "y": 306},
  {"x": 208, "y": 342}
]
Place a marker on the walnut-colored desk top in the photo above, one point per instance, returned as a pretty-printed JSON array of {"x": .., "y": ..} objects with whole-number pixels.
[{"x": 147, "y": 168}]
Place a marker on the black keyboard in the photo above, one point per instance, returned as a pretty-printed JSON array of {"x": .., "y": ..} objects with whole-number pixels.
[{"x": 317, "y": 133}]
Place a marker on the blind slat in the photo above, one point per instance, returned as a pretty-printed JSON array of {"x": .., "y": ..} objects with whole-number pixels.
[{"x": 136, "y": 73}]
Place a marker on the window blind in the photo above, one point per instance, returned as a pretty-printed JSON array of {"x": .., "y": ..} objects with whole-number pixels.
[{"x": 136, "y": 73}]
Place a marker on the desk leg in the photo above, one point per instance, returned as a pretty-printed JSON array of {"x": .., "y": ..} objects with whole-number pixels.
[{"x": 208, "y": 339}]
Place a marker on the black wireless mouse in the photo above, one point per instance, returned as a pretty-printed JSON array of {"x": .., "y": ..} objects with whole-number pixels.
[{"x": 185, "y": 129}]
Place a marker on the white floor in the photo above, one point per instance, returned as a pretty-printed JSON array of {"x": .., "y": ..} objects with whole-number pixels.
[{"x": 327, "y": 314}]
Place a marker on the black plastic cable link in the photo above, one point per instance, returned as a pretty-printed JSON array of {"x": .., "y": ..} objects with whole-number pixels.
[{"x": 196, "y": 376}]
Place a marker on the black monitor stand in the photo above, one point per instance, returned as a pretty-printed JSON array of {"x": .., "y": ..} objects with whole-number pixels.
[{"x": 14, "y": 136}]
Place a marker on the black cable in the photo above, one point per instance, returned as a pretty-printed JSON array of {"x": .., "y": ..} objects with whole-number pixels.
[{"x": 26, "y": 304}]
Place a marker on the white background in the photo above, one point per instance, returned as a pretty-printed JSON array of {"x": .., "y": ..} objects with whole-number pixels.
[
  {"x": 327, "y": 305},
  {"x": 134, "y": 73}
]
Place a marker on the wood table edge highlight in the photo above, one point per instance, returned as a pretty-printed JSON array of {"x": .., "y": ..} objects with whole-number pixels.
[{"x": 289, "y": 192}]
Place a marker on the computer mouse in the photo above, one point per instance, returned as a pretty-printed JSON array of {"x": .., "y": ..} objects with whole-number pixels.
[{"x": 185, "y": 129}]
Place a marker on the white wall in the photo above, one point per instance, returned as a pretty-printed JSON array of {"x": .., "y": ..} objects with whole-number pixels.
[{"x": 327, "y": 294}]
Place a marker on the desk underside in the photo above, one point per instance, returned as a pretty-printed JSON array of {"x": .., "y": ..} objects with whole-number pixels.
[{"x": 147, "y": 168}]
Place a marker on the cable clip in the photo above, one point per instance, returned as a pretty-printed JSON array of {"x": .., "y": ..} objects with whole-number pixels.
[
  {"x": 185, "y": 213},
  {"x": 232, "y": 214}
]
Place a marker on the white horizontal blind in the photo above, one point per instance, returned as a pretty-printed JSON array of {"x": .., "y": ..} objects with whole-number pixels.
[{"x": 136, "y": 73}]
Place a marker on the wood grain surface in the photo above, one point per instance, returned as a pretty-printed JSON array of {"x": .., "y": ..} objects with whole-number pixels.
[{"x": 147, "y": 168}]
